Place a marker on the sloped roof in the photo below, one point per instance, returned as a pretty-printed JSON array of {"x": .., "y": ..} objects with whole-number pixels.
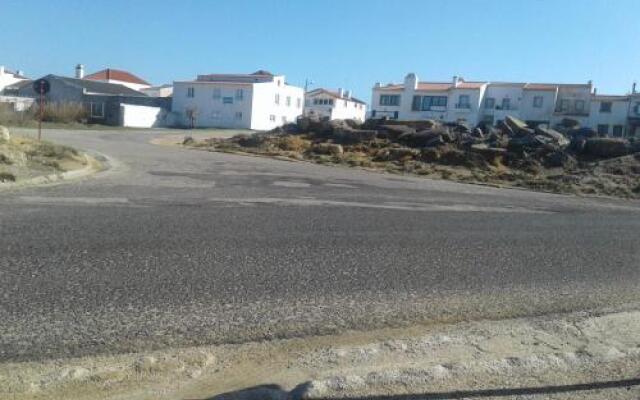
[
  {"x": 117, "y": 75},
  {"x": 609, "y": 97},
  {"x": 15, "y": 74},
  {"x": 438, "y": 86},
  {"x": 335, "y": 94},
  {"x": 98, "y": 87}
]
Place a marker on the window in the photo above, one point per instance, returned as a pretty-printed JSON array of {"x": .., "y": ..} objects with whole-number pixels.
[
  {"x": 330, "y": 102},
  {"x": 288, "y": 101},
  {"x": 215, "y": 114},
  {"x": 97, "y": 110},
  {"x": 272, "y": 118},
  {"x": 490, "y": 103},
  {"x": 564, "y": 105},
  {"x": 238, "y": 115},
  {"x": 603, "y": 130},
  {"x": 415, "y": 104},
  {"x": 315, "y": 101},
  {"x": 191, "y": 92},
  {"x": 227, "y": 100},
  {"x": 537, "y": 101},
  {"x": 373, "y": 113},
  {"x": 506, "y": 103},
  {"x": 217, "y": 94},
  {"x": 389, "y": 100},
  {"x": 284, "y": 119},
  {"x": 299, "y": 102},
  {"x": 579, "y": 105},
  {"x": 463, "y": 101},
  {"x": 617, "y": 130},
  {"x": 239, "y": 94},
  {"x": 605, "y": 107},
  {"x": 433, "y": 101},
  {"x": 277, "y": 98}
]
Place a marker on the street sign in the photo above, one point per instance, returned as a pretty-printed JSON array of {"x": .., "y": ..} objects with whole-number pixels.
[{"x": 41, "y": 86}]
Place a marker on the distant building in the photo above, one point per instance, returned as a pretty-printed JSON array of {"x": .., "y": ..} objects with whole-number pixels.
[
  {"x": 103, "y": 101},
  {"x": 115, "y": 76},
  {"x": 491, "y": 102},
  {"x": 338, "y": 104},
  {"x": 158, "y": 91},
  {"x": 8, "y": 77},
  {"x": 260, "y": 101}
]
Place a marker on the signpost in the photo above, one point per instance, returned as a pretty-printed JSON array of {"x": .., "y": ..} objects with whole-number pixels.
[{"x": 41, "y": 86}]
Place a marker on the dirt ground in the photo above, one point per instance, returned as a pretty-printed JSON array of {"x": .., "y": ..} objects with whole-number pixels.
[
  {"x": 617, "y": 177},
  {"x": 574, "y": 356}
]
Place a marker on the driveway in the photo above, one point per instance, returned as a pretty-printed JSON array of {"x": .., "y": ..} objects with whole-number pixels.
[{"x": 181, "y": 247}]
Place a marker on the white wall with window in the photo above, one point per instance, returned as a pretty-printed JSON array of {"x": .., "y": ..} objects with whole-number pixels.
[
  {"x": 537, "y": 105},
  {"x": 334, "y": 104},
  {"x": 237, "y": 101},
  {"x": 608, "y": 115}
]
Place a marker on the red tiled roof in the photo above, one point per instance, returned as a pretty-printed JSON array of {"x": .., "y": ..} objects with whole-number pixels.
[
  {"x": 334, "y": 94},
  {"x": 437, "y": 86},
  {"x": 116, "y": 75}
]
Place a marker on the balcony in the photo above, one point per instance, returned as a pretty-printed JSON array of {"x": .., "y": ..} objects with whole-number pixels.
[{"x": 463, "y": 106}]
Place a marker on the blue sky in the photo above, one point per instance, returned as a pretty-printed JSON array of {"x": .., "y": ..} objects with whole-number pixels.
[{"x": 336, "y": 43}]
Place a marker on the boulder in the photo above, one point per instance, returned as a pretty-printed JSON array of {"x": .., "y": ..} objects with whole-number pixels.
[
  {"x": 331, "y": 149},
  {"x": 569, "y": 123},
  {"x": 477, "y": 132},
  {"x": 505, "y": 129},
  {"x": 556, "y": 136},
  {"x": 253, "y": 140},
  {"x": 607, "y": 147},
  {"x": 582, "y": 133},
  {"x": 393, "y": 132},
  {"x": 187, "y": 140},
  {"x": 353, "y": 136},
  {"x": 4, "y": 134},
  {"x": 486, "y": 151},
  {"x": 421, "y": 139},
  {"x": 558, "y": 159},
  {"x": 515, "y": 124},
  {"x": 396, "y": 154}
]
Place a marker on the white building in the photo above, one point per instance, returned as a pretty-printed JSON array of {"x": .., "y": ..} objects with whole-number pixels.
[
  {"x": 158, "y": 91},
  {"x": 9, "y": 77},
  {"x": 338, "y": 104},
  {"x": 491, "y": 102},
  {"x": 116, "y": 76},
  {"x": 260, "y": 101}
]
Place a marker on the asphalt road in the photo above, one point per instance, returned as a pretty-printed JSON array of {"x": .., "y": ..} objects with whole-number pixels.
[{"x": 180, "y": 247}]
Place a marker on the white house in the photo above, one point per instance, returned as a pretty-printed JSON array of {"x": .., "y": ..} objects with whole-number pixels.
[
  {"x": 260, "y": 101},
  {"x": 9, "y": 77},
  {"x": 116, "y": 76},
  {"x": 491, "y": 102},
  {"x": 158, "y": 91},
  {"x": 338, "y": 104}
]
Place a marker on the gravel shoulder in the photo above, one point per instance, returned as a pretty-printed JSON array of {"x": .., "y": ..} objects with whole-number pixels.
[{"x": 569, "y": 356}]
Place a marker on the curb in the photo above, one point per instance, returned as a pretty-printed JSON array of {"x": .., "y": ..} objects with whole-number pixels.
[{"x": 93, "y": 166}]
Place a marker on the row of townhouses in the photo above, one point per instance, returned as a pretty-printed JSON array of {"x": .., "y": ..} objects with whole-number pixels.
[
  {"x": 489, "y": 102},
  {"x": 263, "y": 101}
]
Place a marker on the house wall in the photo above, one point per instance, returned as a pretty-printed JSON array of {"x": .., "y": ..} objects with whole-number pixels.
[
  {"x": 112, "y": 110},
  {"x": 7, "y": 79},
  {"x": 210, "y": 111},
  {"x": 17, "y": 103},
  {"x": 353, "y": 110},
  {"x": 542, "y": 114},
  {"x": 470, "y": 115},
  {"x": 162, "y": 91},
  {"x": 264, "y": 105},
  {"x": 617, "y": 116},
  {"x": 379, "y": 111},
  {"x": 142, "y": 116}
]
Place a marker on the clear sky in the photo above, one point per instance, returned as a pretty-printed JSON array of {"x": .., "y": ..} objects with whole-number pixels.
[{"x": 336, "y": 43}]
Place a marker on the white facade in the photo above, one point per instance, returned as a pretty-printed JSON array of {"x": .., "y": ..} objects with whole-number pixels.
[
  {"x": 490, "y": 102},
  {"x": 259, "y": 101},
  {"x": 9, "y": 78},
  {"x": 337, "y": 104},
  {"x": 135, "y": 116},
  {"x": 158, "y": 91}
]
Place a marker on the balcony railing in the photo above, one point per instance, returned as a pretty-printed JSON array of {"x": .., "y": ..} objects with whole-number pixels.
[{"x": 463, "y": 106}]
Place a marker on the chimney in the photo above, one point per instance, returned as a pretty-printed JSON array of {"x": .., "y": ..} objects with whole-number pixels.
[
  {"x": 633, "y": 88},
  {"x": 347, "y": 94},
  {"x": 79, "y": 71},
  {"x": 20, "y": 72},
  {"x": 411, "y": 81},
  {"x": 377, "y": 85},
  {"x": 340, "y": 92},
  {"x": 456, "y": 80},
  {"x": 595, "y": 91}
]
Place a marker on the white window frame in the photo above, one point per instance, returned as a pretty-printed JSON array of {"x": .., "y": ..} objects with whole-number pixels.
[{"x": 94, "y": 114}]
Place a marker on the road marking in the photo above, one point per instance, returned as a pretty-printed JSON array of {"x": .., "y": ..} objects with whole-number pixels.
[
  {"x": 389, "y": 206},
  {"x": 74, "y": 200},
  {"x": 291, "y": 184}
]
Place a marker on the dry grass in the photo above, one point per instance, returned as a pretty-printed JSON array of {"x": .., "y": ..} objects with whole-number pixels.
[{"x": 60, "y": 113}]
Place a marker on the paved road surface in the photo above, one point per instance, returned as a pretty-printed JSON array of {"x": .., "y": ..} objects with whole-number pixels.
[{"x": 179, "y": 247}]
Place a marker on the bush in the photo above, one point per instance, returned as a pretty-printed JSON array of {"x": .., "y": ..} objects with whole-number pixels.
[
  {"x": 293, "y": 143},
  {"x": 62, "y": 112},
  {"x": 7, "y": 177}
]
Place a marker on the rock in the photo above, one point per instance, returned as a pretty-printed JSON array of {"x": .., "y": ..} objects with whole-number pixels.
[
  {"x": 607, "y": 147},
  {"x": 569, "y": 123},
  {"x": 401, "y": 153},
  {"x": 291, "y": 129},
  {"x": 505, "y": 129},
  {"x": 352, "y": 136},
  {"x": 519, "y": 144},
  {"x": 4, "y": 134},
  {"x": 393, "y": 132},
  {"x": 188, "y": 140},
  {"x": 557, "y": 137},
  {"x": 558, "y": 159},
  {"x": 477, "y": 132},
  {"x": 332, "y": 149},
  {"x": 420, "y": 139},
  {"x": 582, "y": 133},
  {"x": 430, "y": 154},
  {"x": 515, "y": 124},
  {"x": 488, "y": 152},
  {"x": 253, "y": 140}
]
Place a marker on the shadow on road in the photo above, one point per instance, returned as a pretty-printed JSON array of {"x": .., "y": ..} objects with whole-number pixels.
[{"x": 276, "y": 392}]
